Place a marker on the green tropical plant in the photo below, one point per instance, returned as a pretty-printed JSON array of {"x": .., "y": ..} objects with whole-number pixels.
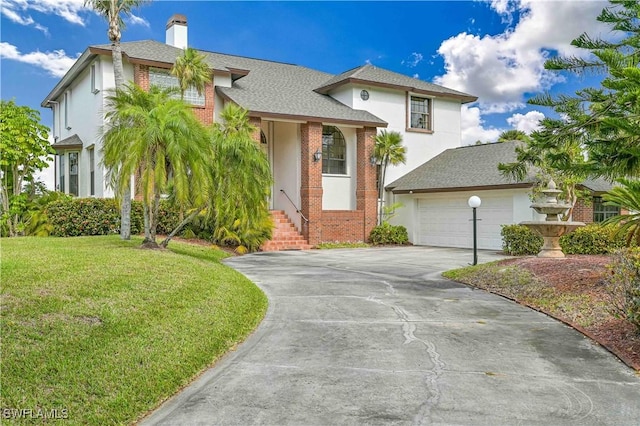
[
  {"x": 626, "y": 196},
  {"x": 191, "y": 70},
  {"x": 388, "y": 149},
  {"x": 113, "y": 11},
  {"x": 242, "y": 177},
  {"x": 604, "y": 120},
  {"x": 513, "y": 135},
  {"x": 160, "y": 140},
  {"x": 25, "y": 150}
]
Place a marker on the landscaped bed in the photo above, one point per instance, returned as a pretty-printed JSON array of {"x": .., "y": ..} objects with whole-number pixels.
[
  {"x": 96, "y": 330},
  {"x": 569, "y": 289}
]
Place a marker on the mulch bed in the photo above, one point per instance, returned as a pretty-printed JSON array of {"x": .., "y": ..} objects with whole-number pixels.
[{"x": 583, "y": 276}]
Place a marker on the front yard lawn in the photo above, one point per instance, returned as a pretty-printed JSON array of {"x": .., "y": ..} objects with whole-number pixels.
[{"x": 103, "y": 331}]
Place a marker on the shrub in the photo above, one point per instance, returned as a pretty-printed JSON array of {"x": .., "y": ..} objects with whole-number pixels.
[
  {"x": 518, "y": 240},
  {"x": 623, "y": 285},
  {"x": 592, "y": 239},
  {"x": 389, "y": 234}
]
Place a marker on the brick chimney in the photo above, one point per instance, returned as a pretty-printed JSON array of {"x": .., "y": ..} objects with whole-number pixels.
[{"x": 177, "y": 31}]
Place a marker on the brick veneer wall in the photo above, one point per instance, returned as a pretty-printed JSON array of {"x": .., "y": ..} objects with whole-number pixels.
[
  {"x": 337, "y": 225},
  {"x": 583, "y": 211},
  {"x": 366, "y": 191},
  {"x": 342, "y": 225},
  {"x": 311, "y": 181},
  {"x": 204, "y": 113}
]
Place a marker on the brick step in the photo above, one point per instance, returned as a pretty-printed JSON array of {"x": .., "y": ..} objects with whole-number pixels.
[{"x": 285, "y": 236}]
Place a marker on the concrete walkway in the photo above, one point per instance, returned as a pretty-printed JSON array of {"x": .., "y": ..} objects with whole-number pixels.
[{"x": 376, "y": 336}]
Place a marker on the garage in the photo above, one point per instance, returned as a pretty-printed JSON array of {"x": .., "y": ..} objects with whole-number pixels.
[{"x": 445, "y": 220}]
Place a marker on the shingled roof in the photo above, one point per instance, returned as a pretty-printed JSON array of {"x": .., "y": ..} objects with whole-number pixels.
[
  {"x": 272, "y": 89},
  {"x": 473, "y": 167},
  {"x": 369, "y": 74},
  {"x": 457, "y": 169}
]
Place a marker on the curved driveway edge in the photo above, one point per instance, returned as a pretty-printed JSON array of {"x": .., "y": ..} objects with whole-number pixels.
[{"x": 377, "y": 336}]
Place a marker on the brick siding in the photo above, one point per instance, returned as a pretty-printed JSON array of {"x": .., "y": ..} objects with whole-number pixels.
[
  {"x": 311, "y": 181},
  {"x": 342, "y": 225},
  {"x": 583, "y": 211}
]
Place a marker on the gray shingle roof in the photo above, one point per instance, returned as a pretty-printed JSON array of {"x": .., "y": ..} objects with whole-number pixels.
[
  {"x": 371, "y": 74},
  {"x": 72, "y": 141},
  {"x": 464, "y": 167},
  {"x": 270, "y": 88},
  {"x": 473, "y": 166}
]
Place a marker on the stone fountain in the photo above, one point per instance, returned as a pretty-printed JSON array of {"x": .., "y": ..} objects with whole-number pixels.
[{"x": 552, "y": 228}]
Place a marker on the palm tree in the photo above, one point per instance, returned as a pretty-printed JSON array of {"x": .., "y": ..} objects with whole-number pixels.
[
  {"x": 627, "y": 196},
  {"x": 388, "y": 149},
  {"x": 112, "y": 11},
  {"x": 192, "y": 71},
  {"x": 239, "y": 205},
  {"x": 513, "y": 135},
  {"x": 161, "y": 141}
]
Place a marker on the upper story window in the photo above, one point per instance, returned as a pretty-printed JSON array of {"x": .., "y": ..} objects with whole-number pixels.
[
  {"x": 163, "y": 78},
  {"x": 601, "y": 211},
  {"x": 67, "y": 100},
  {"x": 420, "y": 115},
  {"x": 334, "y": 151},
  {"x": 94, "y": 79}
]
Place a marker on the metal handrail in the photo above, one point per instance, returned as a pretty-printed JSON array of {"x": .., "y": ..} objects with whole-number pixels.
[{"x": 294, "y": 205}]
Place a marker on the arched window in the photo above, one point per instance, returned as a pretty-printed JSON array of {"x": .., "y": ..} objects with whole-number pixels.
[{"x": 334, "y": 151}]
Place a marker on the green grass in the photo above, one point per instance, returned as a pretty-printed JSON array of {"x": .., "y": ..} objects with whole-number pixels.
[{"x": 106, "y": 331}]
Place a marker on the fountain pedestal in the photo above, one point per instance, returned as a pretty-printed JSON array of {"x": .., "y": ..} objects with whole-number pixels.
[{"x": 552, "y": 228}]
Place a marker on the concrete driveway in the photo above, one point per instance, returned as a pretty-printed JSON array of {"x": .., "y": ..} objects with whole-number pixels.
[{"x": 376, "y": 336}]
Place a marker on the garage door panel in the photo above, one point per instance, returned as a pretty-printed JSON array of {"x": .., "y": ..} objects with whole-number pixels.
[{"x": 447, "y": 221}]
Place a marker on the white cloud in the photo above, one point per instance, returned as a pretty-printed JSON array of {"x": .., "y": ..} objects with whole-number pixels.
[
  {"x": 137, "y": 20},
  {"x": 56, "y": 63},
  {"x": 500, "y": 69},
  {"x": 18, "y": 11},
  {"x": 73, "y": 11},
  {"x": 527, "y": 123},
  {"x": 413, "y": 60},
  {"x": 473, "y": 129}
]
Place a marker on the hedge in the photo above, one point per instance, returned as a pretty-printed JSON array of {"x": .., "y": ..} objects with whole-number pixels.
[
  {"x": 518, "y": 240},
  {"x": 389, "y": 234},
  {"x": 101, "y": 216}
]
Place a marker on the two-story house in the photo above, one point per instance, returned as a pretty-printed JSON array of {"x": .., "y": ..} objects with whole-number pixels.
[{"x": 317, "y": 129}]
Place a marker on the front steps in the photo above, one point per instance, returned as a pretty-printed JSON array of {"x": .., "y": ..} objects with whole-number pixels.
[{"x": 285, "y": 235}]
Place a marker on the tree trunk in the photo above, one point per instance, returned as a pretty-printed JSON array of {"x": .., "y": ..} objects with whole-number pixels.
[
  {"x": 383, "y": 172},
  {"x": 125, "y": 211},
  {"x": 147, "y": 225},
  {"x": 173, "y": 233}
]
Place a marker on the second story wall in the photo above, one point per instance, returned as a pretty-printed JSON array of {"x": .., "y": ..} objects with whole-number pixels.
[{"x": 393, "y": 107}]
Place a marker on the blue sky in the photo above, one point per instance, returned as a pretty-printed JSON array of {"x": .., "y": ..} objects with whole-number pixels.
[{"x": 492, "y": 49}]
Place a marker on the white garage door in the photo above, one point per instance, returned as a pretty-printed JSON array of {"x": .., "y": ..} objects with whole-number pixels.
[{"x": 445, "y": 220}]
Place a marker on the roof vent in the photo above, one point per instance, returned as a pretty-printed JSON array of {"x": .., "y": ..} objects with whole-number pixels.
[{"x": 177, "y": 31}]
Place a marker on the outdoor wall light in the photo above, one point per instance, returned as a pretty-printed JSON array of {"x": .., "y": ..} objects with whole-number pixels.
[
  {"x": 373, "y": 160},
  {"x": 317, "y": 156},
  {"x": 474, "y": 203}
]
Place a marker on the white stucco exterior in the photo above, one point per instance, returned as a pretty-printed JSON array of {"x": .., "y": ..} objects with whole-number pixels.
[
  {"x": 285, "y": 167},
  {"x": 391, "y": 106},
  {"x": 80, "y": 111}
]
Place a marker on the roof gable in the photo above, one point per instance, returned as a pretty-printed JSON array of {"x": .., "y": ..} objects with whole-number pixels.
[{"x": 371, "y": 75}]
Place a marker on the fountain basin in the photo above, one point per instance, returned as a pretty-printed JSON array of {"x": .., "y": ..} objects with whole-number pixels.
[{"x": 551, "y": 231}]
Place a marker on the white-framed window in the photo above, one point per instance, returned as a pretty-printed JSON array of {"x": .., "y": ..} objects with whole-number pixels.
[
  {"x": 420, "y": 113},
  {"x": 92, "y": 174},
  {"x": 163, "y": 78},
  {"x": 73, "y": 173},
  {"x": 602, "y": 211},
  {"x": 62, "y": 172},
  {"x": 334, "y": 151},
  {"x": 67, "y": 100},
  {"x": 95, "y": 82}
]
